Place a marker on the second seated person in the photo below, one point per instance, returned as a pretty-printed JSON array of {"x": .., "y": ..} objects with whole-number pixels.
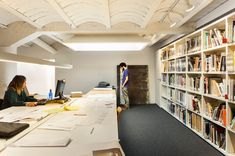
[{"x": 15, "y": 94}]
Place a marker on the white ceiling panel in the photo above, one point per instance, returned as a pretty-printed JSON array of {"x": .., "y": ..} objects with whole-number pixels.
[
  {"x": 147, "y": 18},
  {"x": 7, "y": 18}
]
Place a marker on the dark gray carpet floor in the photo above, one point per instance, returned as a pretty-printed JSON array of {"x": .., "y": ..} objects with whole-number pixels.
[{"x": 147, "y": 130}]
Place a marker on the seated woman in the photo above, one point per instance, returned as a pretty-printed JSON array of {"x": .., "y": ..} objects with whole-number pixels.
[{"x": 15, "y": 94}]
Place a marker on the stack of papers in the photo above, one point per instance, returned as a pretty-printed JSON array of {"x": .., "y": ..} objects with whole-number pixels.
[
  {"x": 76, "y": 94},
  {"x": 66, "y": 121},
  {"x": 40, "y": 138},
  {"x": 33, "y": 113}
]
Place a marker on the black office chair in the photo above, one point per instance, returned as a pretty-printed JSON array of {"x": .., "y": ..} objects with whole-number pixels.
[{"x": 1, "y": 101}]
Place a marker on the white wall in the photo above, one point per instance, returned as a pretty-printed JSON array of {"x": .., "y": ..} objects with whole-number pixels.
[
  {"x": 7, "y": 72},
  {"x": 40, "y": 78},
  {"x": 91, "y": 67}
]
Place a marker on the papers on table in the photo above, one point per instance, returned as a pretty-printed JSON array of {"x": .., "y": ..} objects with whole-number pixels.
[
  {"x": 101, "y": 96},
  {"x": 17, "y": 114},
  {"x": 66, "y": 121},
  {"x": 43, "y": 138}
]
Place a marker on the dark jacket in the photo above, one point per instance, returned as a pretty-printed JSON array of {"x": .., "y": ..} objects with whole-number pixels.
[{"x": 12, "y": 98}]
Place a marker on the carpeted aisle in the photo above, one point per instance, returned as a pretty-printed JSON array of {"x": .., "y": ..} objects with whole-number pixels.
[{"x": 147, "y": 130}]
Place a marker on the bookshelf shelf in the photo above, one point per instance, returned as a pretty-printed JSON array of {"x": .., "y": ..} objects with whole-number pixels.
[
  {"x": 179, "y": 72},
  {"x": 194, "y": 112},
  {"x": 215, "y": 97},
  {"x": 171, "y": 86},
  {"x": 193, "y": 72},
  {"x": 231, "y": 130},
  {"x": 180, "y": 88},
  {"x": 165, "y": 60},
  {"x": 164, "y": 97},
  {"x": 215, "y": 49},
  {"x": 216, "y": 146},
  {"x": 215, "y": 122},
  {"x": 171, "y": 59},
  {"x": 180, "y": 104},
  {"x": 233, "y": 102},
  {"x": 164, "y": 84},
  {"x": 199, "y": 70},
  {"x": 214, "y": 73},
  {"x": 231, "y": 44},
  {"x": 194, "y": 92},
  {"x": 195, "y": 53},
  {"x": 179, "y": 57}
]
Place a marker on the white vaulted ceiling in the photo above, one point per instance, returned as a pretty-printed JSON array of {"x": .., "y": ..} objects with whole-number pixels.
[{"x": 58, "y": 18}]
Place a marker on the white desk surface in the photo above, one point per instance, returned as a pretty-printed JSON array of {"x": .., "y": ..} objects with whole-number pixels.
[{"x": 93, "y": 127}]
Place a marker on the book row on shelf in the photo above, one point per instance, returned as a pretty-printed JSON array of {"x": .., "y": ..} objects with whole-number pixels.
[
  {"x": 215, "y": 62},
  {"x": 215, "y": 86},
  {"x": 209, "y": 130},
  {"x": 214, "y": 37},
  {"x": 212, "y": 108},
  {"x": 212, "y": 63},
  {"x": 215, "y": 134},
  {"x": 194, "y": 121},
  {"x": 194, "y": 64},
  {"x": 198, "y": 82}
]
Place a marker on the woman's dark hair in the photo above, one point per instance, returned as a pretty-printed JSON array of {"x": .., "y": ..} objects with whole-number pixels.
[
  {"x": 17, "y": 82},
  {"x": 123, "y": 64}
]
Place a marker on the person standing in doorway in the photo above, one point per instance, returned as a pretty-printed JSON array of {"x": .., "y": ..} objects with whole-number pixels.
[{"x": 124, "y": 85}]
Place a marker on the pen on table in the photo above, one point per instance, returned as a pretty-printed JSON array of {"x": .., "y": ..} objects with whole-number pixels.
[{"x": 92, "y": 130}]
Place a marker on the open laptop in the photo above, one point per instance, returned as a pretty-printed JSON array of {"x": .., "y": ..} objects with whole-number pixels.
[{"x": 9, "y": 129}]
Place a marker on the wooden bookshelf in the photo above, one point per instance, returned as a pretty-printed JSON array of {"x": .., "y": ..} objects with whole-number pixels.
[{"x": 199, "y": 82}]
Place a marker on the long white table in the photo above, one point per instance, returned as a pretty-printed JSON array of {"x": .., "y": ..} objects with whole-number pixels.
[{"x": 92, "y": 127}]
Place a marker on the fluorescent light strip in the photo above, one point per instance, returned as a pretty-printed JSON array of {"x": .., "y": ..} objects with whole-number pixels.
[
  {"x": 107, "y": 46},
  {"x": 190, "y": 9},
  {"x": 172, "y": 25}
]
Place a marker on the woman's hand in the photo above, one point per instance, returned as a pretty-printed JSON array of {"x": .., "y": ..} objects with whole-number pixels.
[{"x": 31, "y": 104}]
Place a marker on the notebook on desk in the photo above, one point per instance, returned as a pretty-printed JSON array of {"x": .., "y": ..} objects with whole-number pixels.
[{"x": 9, "y": 129}]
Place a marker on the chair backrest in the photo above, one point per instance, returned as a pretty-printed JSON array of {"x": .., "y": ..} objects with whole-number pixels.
[{"x": 1, "y": 101}]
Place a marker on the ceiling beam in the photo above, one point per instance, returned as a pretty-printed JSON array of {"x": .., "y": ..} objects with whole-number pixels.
[
  {"x": 128, "y": 29},
  {"x": 8, "y": 57},
  {"x": 54, "y": 37},
  {"x": 44, "y": 45},
  {"x": 15, "y": 33},
  {"x": 107, "y": 14},
  {"x": 3, "y": 26},
  {"x": 26, "y": 39},
  {"x": 19, "y": 14},
  {"x": 150, "y": 13},
  {"x": 61, "y": 12}
]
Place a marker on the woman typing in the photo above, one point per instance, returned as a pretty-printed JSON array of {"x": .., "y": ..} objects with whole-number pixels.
[{"x": 15, "y": 94}]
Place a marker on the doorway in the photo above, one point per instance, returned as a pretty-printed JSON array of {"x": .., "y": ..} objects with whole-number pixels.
[{"x": 138, "y": 88}]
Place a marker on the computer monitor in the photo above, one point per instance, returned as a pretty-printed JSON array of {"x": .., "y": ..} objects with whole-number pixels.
[{"x": 60, "y": 89}]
